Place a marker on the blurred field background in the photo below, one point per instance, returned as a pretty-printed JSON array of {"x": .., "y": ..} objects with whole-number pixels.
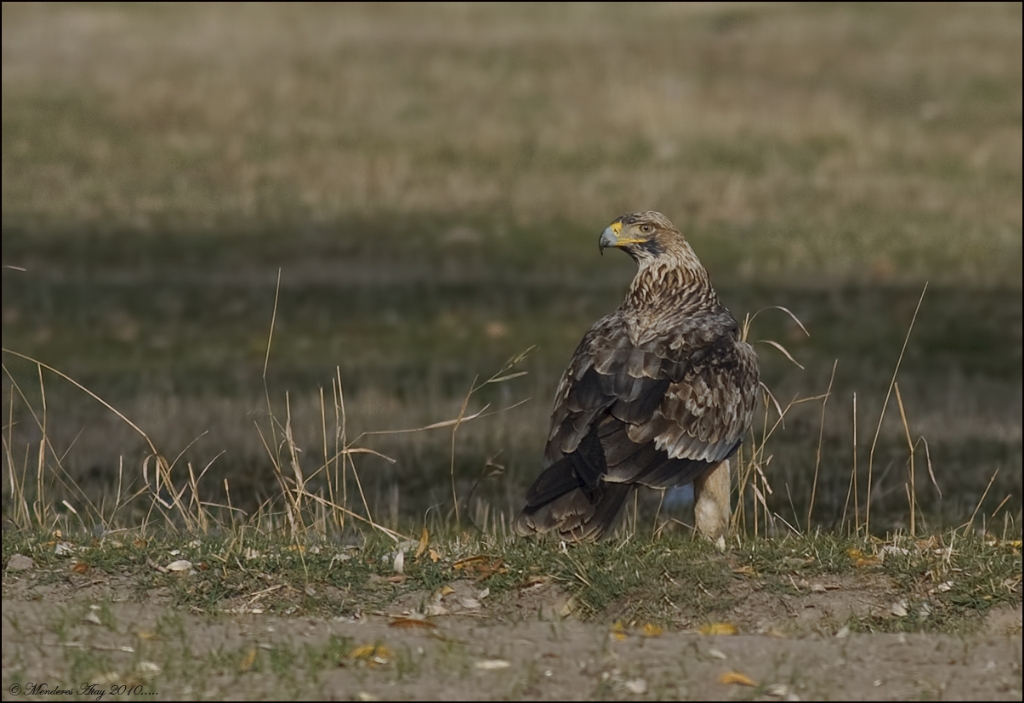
[{"x": 431, "y": 180}]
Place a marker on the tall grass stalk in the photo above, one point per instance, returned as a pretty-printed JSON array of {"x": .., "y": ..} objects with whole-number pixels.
[{"x": 881, "y": 414}]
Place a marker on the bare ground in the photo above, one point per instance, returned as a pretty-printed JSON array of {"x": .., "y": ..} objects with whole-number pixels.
[{"x": 461, "y": 643}]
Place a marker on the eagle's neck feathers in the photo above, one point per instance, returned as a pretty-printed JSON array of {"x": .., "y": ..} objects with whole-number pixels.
[{"x": 670, "y": 284}]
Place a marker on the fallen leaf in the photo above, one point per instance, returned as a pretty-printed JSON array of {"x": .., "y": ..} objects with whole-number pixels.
[
  {"x": 248, "y": 660},
  {"x": 469, "y": 563},
  {"x": 179, "y": 565},
  {"x": 399, "y": 563},
  {"x": 80, "y": 567},
  {"x": 397, "y": 578},
  {"x": 372, "y": 654},
  {"x": 735, "y": 677},
  {"x": 745, "y": 571},
  {"x": 860, "y": 559},
  {"x": 424, "y": 539},
  {"x": 434, "y": 556},
  {"x": 652, "y": 630},
  {"x": 481, "y": 566},
  {"x": 619, "y": 631},
  {"x": 719, "y": 628}
]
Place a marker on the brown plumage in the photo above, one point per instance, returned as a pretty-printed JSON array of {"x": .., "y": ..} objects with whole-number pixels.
[{"x": 658, "y": 393}]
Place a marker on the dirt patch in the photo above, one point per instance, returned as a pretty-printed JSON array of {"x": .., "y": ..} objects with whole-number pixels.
[
  {"x": 461, "y": 642},
  {"x": 819, "y": 605}
]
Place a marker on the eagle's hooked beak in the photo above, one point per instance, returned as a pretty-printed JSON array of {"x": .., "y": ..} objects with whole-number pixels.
[{"x": 610, "y": 236}]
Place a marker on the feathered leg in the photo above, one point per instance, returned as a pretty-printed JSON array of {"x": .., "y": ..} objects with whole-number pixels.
[{"x": 712, "y": 509}]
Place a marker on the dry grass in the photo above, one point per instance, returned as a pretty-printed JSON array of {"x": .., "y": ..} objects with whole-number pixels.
[{"x": 313, "y": 493}]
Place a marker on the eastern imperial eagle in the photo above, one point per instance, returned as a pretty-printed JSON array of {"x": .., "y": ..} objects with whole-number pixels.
[{"x": 659, "y": 393}]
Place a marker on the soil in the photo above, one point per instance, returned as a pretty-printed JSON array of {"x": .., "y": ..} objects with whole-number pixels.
[{"x": 463, "y": 643}]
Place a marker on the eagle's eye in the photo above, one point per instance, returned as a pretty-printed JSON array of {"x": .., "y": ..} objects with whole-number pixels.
[{"x": 646, "y": 229}]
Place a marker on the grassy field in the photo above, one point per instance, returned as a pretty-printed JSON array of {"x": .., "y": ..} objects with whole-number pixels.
[
  {"x": 861, "y": 142},
  {"x": 430, "y": 182}
]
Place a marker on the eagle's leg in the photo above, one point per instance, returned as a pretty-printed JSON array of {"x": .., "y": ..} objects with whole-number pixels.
[{"x": 712, "y": 509}]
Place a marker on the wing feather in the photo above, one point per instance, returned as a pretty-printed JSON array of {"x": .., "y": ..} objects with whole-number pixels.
[{"x": 693, "y": 408}]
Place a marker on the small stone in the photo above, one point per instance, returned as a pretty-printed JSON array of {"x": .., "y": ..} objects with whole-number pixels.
[
  {"x": 492, "y": 664},
  {"x": 637, "y": 686},
  {"x": 20, "y": 562}
]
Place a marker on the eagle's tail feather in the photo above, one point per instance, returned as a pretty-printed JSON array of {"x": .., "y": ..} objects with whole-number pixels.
[{"x": 557, "y": 501}]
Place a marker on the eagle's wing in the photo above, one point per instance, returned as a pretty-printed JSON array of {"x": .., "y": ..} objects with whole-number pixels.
[
  {"x": 662, "y": 411},
  {"x": 703, "y": 413}
]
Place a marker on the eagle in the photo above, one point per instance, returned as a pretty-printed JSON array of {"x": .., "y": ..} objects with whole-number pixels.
[{"x": 659, "y": 393}]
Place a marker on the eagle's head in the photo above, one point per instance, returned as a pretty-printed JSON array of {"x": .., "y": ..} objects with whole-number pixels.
[{"x": 642, "y": 235}]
